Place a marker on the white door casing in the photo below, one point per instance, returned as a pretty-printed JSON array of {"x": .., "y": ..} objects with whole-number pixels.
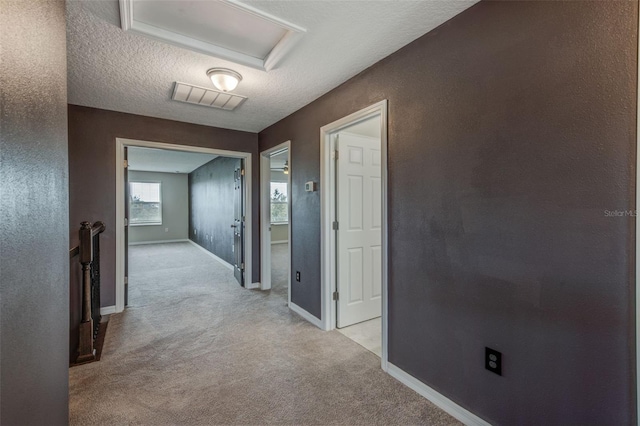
[
  {"x": 359, "y": 234},
  {"x": 328, "y": 245},
  {"x": 120, "y": 186},
  {"x": 265, "y": 216}
]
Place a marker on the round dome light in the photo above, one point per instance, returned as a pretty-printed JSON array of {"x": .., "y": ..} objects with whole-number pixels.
[{"x": 224, "y": 79}]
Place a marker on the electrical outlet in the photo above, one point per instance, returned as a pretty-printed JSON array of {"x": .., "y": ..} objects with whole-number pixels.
[
  {"x": 493, "y": 361},
  {"x": 298, "y": 276},
  {"x": 195, "y": 231},
  {"x": 166, "y": 229}
]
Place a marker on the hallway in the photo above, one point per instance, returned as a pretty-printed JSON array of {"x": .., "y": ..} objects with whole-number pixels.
[{"x": 195, "y": 348}]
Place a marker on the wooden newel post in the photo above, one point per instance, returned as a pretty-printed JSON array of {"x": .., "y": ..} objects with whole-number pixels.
[{"x": 85, "y": 347}]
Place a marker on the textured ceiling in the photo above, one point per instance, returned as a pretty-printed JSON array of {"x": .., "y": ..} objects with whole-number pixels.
[{"x": 111, "y": 69}]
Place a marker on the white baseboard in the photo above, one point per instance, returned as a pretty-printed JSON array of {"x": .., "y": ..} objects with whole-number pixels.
[
  {"x": 439, "y": 400},
  {"x": 306, "y": 315},
  {"x": 280, "y": 242},
  {"x": 108, "y": 310},
  {"x": 251, "y": 286},
  {"x": 139, "y": 243},
  {"x": 223, "y": 262}
]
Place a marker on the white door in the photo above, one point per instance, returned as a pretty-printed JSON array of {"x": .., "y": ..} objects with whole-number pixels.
[{"x": 359, "y": 235}]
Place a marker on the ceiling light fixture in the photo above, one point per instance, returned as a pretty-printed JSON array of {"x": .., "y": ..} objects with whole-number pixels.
[
  {"x": 285, "y": 169},
  {"x": 224, "y": 79}
]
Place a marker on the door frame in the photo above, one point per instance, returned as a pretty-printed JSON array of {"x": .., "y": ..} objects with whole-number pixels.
[
  {"x": 328, "y": 213},
  {"x": 637, "y": 224},
  {"x": 120, "y": 144},
  {"x": 265, "y": 216}
]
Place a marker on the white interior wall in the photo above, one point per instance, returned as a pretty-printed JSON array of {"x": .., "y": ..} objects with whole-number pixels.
[
  {"x": 279, "y": 233},
  {"x": 277, "y": 176}
]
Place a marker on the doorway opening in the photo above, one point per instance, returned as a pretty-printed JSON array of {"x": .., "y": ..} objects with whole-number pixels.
[
  {"x": 164, "y": 195},
  {"x": 354, "y": 227},
  {"x": 275, "y": 166}
]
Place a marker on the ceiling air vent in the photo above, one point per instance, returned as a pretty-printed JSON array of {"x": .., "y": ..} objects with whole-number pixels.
[{"x": 206, "y": 97}]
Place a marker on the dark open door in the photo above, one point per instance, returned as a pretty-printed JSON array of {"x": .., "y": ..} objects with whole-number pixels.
[
  {"x": 126, "y": 227},
  {"x": 238, "y": 223}
]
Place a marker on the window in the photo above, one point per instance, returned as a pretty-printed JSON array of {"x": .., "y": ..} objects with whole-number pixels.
[
  {"x": 145, "y": 207},
  {"x": 279, "y": 206}
]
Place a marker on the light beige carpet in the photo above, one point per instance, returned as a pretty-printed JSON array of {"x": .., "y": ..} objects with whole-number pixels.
[
  {"x": 194, "y": 348},
  {"x": 280, "y": 271}
]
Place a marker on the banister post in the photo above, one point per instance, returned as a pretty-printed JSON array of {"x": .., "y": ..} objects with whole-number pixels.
[{"x": 85, "y": 346}]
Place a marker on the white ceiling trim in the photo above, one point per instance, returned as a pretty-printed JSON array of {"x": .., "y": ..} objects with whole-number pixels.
[{"x": 293, "y": 34}]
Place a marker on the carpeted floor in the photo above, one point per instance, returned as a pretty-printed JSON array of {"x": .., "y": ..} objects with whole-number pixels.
[
  {"x": 194, "y": 348},
  {"x": 280, "y": 270}
]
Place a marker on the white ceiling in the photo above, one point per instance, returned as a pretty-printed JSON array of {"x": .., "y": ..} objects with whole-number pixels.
[
  {"x": 277, "y": 161},
  {"x": 165, "y": 161},
  {"x": 277, "y": 165},
  {"x": 122, "y": 71},
  {"x": 370, "y": 127}
]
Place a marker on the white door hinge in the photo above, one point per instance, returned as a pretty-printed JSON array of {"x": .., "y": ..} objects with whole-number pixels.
[{"x": 125, "y": 164}]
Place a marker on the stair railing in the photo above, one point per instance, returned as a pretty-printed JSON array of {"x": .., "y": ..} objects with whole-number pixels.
[{"x": 89, "y": 252}]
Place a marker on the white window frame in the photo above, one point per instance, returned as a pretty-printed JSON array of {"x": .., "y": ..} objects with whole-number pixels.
[
  {"x": 278, "y": 202},
  {"x": 131, "y": 222}
]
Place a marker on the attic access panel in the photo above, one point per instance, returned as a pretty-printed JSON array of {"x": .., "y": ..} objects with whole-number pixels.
[{"x": 226, "y": 29}]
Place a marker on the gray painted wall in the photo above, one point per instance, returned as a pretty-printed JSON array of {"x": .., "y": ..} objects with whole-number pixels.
[
  {"x": 211, "y": 208},
  {"x": 512, "y": 128},
  {"x": 34, "y": 230},
  {"x": 175, "y": 208}
]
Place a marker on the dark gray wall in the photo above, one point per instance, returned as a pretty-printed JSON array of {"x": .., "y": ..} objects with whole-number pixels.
[
  {"x": 511, "y": 131},
  {"x": 34, "y": 233},
  {"x": 211, "y": 206}
]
